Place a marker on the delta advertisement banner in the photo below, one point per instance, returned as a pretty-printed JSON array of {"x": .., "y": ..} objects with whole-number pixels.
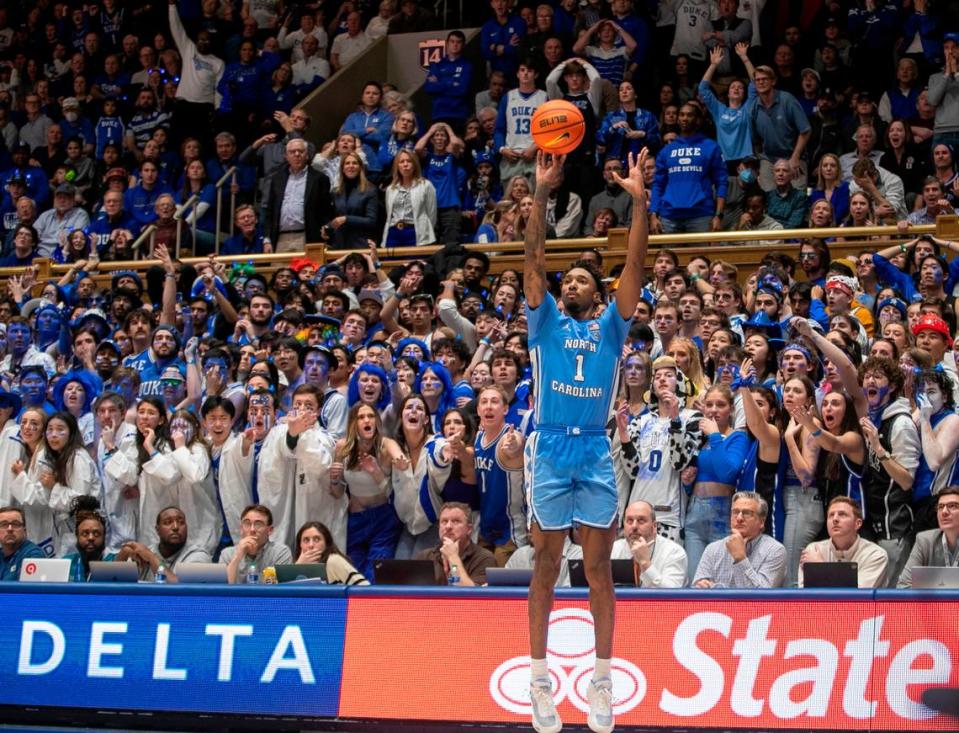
[
  {"x": 840, "y": 665},
  {"x": 192, "y": 653},
  {"x": 858, "y": 663}
]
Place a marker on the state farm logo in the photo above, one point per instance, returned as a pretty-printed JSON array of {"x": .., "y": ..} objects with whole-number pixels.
[{"x": 571, "y": 656}]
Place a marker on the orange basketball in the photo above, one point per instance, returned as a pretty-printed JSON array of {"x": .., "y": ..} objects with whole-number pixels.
[{"x": 558, "y": 127}]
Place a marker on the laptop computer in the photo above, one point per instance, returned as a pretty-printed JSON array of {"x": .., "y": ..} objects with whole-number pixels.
[
  {"x": 404, "y": 572},
  {"x": 301, "y": 573},
  {"x": 201, "y": 572},
  {"x": 44, "y": 570},
  {"x": 925, "y": 576},
  {"x": 623, "y": 574},
  {"x": 519, "y": 577},
  {"x": 114, "y": 572},
  {"x": 830, "y": 575}
]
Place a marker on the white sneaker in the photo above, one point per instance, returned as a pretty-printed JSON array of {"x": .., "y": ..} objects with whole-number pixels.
[
  {"x": 600, "y": 696},
  {"x": 545, "y": 717}
]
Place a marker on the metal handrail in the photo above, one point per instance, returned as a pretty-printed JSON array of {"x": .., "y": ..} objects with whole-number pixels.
[
  {"x": 229, "y": 173},
  {"x": 178, "y": 216},
  {"x": 148, "y": 231}
]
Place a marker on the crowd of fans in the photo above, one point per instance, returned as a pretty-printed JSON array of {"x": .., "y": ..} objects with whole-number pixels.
[
  {"x": 115, "y": 116},
  {"x": 355, "y": 413}
]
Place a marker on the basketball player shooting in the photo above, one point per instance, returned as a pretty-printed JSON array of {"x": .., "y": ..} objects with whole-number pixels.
[{"x": 569, "y": 470}]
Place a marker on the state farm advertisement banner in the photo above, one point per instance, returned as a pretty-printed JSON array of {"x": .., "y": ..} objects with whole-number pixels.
[{"x": 677, "y": 663}]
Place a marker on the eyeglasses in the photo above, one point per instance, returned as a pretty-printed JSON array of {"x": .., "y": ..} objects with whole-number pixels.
[
  {"x": 12, "y": 524},
  {"x": 948, "y": 507},
  {"x": 250, "y": 524},
  {"x": 744, "y": 513},
  {"x": 808, "y": 255}
]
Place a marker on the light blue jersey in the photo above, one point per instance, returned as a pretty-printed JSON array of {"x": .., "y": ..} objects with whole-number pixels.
[
  {"x": 575, "y": 364},
  {"x": 569, "y": 470}
]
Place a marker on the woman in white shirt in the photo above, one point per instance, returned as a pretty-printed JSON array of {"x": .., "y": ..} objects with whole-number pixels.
[
  {"x": 410, "y": 204},
  {"x": 62, "y": 470}
]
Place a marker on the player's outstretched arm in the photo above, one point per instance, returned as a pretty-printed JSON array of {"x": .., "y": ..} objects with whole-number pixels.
[
  {"x": 631, "y": 280},
  {"x": 549, "y": 175}
]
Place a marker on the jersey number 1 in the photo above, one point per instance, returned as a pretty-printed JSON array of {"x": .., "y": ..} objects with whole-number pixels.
[{"x": 579, "y": 376}]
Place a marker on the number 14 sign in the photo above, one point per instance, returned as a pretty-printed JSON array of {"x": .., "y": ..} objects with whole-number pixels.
[{"x": 431, "y": 51}]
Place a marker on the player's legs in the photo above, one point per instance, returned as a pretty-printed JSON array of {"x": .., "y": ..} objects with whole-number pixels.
[
  {"x": 548, "y": 546},
  {"x": 595, "y": 510},
  {"x": 597, "y": 547}
]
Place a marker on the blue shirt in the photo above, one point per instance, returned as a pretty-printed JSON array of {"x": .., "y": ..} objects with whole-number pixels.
[
  {"x": 501, "y": 494},
  {"x": 357, "y": 123},
  {"x": 10, "y": 566},
  {"x": 722, "y": 458},
  {"x": 839, "y": 200},
  {"x": 237, "y": 245},
  {"x": 139, "y": 202},
  {"x": 112, "y": 87},
  {"x": 777, "y": 126},
  {"x": 494, "y": 34},
  {"x": 447, "y": 178},
  {"x": 451, "y": 89},
  {"x": 614, "y": 138},
  {"x": 690, "y": 176},
  {"x": 101, "y": 229},
  {"x": 734, "y": 131},
  {"x": 239, "y": 85},
  {"x": 150, "y": 371},
  {"x": 82, "y": 129},
  {"x": 574, "y": 364},
  {"x": 109, "y": 130},
  {"x": 206, "y": 222}
]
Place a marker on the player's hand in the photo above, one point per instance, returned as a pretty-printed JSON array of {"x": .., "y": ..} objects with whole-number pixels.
[
  {"x": 549, "y": 170},
  {"x": 633, "y": 184}
]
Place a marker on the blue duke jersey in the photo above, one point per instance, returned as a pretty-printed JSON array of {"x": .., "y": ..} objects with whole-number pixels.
[
  {"x": 575, "y": 364},
  {"x": 502, "y": 500}
]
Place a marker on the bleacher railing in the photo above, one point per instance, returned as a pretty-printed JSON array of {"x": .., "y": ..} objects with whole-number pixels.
[{"x": 741, "y": 248}]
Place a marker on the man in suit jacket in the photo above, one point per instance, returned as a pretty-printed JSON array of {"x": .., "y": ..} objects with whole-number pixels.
[
  {"x": 299, "y": 203},
  {"x": 936, "y": 547}
]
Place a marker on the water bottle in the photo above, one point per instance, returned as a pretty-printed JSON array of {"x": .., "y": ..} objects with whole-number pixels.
[
  {"x": 160, "y": 576},
  {"x": 454, "y": 576},
  {"x": 252, "y": 575}
]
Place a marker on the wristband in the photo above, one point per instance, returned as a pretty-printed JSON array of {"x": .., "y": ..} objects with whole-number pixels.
[
  {"x": 902, "y": 248},
  {"x": 718, "y": 215},
  {"x": 171, "y": 275},
  {"x": 154, "y": 454},
  {"x": 816, "y": 433},
  {"x": 694, "y": 277},
  {"x": 485, "y": 340}
]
